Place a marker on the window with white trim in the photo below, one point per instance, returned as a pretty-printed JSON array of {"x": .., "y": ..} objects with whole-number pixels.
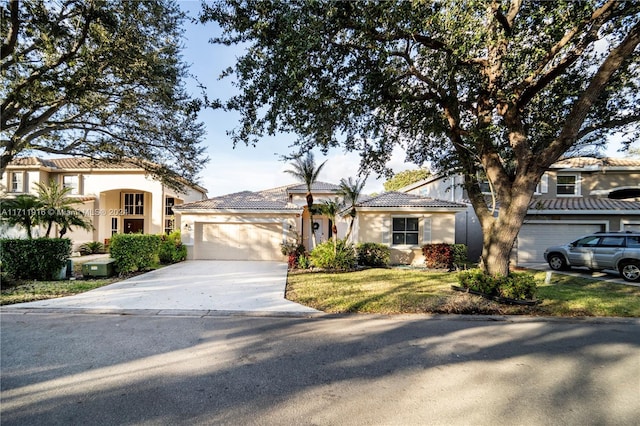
[
  {"x": 405, "y": 231},
  {"x": 71, "y": 181},
  {"x": 17, "y": 182},
  {"x": 567, "y": 185},
  {"x": 134, "y": 204},
  {"x": 114, "y": 225}
]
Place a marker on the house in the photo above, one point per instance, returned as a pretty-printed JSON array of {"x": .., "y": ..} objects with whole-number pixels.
[
  {"x": 119, "y": 198},
  {"x": 253, "y": 225},
  {"x": 574, "y": 197}
]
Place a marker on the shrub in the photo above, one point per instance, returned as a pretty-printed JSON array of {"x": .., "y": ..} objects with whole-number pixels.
[
  {"x": 341, "y": 257},
  {"x": 91, "y": 247},
  {"x": 460, "y": 254},
  {"x": 373, "y": 254},
  {"x": 39, "y": 259},
  {"x": 515, "y": 286},
  {"x": 304, "y": 262},
  {"x": 171, "y": 249},
  {"x": 438, "y": 255},
  {"x": 133, "y": 252}
]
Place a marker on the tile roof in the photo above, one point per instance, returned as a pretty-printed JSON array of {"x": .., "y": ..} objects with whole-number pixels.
[
  {"x": 589, "y": 162},
  {"x": 316, "y": 186},
  {"x": 72, "y": 163},
  {"x": 245, "y": 200},
  {"x": 583, "y": 204},
  {"x": 401, "y": 199}
]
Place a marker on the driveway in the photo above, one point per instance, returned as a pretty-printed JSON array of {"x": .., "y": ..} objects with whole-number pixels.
[
  {"x": 192, "y": 285},
  {"x": 607, "y": 275}
]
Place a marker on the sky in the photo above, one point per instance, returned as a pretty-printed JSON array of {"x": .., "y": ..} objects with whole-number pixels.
[{"x": 261, "y": 167}]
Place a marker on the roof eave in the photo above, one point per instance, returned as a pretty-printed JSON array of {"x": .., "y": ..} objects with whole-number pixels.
[
  {"x": 236, "y": 211},
  {"x": 411, "y": 209}
]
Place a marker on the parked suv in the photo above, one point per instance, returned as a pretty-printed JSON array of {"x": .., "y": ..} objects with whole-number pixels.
[{"x": 619, "y": 251}]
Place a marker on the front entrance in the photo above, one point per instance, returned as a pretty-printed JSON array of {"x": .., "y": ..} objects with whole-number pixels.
[{"x": 133, "y": 226}]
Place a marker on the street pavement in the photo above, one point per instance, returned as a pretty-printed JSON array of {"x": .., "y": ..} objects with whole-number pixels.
[{"x": 61, "y": 368}]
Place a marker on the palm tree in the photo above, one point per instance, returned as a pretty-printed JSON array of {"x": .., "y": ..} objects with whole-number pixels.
[
  {"x": 24, "y": 210},
  {"x": 59, "y": 208},
  {"x": 350, "y": 191},
  {"x": 304, "y": 169},
  {"x": 330, "y": 209}
]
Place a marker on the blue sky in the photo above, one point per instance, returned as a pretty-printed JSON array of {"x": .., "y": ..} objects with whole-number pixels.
[{"x": 255, "y": 168}]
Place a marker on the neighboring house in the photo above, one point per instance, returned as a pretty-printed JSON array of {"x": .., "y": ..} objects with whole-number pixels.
[
  {"x": 574, "y": 197},
  {"x": 253, "y": 225},
  {"x": 120, "y": 198}
]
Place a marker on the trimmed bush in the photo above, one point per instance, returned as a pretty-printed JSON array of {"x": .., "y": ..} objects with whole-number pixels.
[
  {"x": 518, "y": 286},
  {"x": 438, "y": 255},
  {"x": 340, "y": 258},
  {"x": 373, "y": 254},
  {"x": 460, "y": 254},
  {"x": 171, "y": 249},
  {"x": 134, "y": 252},
  {"x": 39, "y": 258}
]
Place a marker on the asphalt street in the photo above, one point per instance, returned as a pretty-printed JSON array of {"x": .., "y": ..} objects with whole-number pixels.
[{"x": 71, "y": 369}]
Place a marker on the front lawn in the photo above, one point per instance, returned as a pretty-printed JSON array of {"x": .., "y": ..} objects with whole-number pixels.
[
  {"x": 394, "y": 291},
  {"x": 29, "y": 291}
]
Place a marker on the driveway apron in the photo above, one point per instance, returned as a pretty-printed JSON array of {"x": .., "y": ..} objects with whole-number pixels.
[{"x": 191, "y": 285}]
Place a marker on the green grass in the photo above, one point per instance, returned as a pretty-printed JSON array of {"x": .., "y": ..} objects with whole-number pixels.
[
  {"x": 29, "y": 291},
  {"x": 394, "y": 291}
]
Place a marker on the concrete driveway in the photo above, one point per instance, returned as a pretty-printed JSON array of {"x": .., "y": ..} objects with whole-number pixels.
[
  {"x": 607, "y": 275},
  {"x": 192, "y": 285}
]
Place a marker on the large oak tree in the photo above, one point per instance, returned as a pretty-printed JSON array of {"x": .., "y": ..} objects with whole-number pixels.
[
  {"x": 99, "y": 79},
  {"x": 498, "y": 89}
]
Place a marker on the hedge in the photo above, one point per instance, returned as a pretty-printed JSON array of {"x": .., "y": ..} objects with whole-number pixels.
[
  {"x": 373, "y": 254},
  {"x": 134, "y": 252},
  {"x": 443, "y": 255},
  {"x": 36, "y": 259},
  {"x": 171, "y": 249}
]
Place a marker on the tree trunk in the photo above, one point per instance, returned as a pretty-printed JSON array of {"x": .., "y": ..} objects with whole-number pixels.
[
  {"x": 499, "y": 234},
  {"x": 310, "y": 208}
]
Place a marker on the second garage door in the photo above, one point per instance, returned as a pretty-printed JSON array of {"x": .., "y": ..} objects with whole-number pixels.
[
  {"x": 238, "y": 241},
  {"x": 534, "y": 238}
]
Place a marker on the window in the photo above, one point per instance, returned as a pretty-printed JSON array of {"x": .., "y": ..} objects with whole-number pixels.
[
  {"x": 17, "y": 182},
  {"x": 633, "y": 241},
  {"x": 590, "y": 241},
  {"x": 617, "y": 241},
  {"x": 168, "y": 206},
  {"x": 169, "y": 226},
  {"x": 405, "y": 231},
  {"x": 114, "y": 225},
  {"x": 567, "y": 185},
  {"x": 70, "y": 182},
  {"x": 133, "y": 203}
]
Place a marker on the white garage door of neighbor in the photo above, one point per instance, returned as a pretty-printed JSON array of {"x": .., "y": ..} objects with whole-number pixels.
[
  {"x": 534, "y": 238},
  {"x": 239, "y": 241},
  {"x": 631, "y": 227}
]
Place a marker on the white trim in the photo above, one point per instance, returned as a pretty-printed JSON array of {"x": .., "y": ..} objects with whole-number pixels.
[
  {"x": 413, "y": 210},
  {"x": 624, "y": 222},
  {"x": 569, "y": 222},
  {"x": 238, "y": 220},
  {"x": 577, "y": 185}
]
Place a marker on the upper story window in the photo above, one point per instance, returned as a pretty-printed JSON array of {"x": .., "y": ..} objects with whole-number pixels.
[
  {"x": 133, "y": 203},
  {"x": 568, "y": 185},
  {"x": 71, "y": 181},
  {"x": 405, "y": 231},
  {"x": 169, "y": 202},
  {"x": 17, "y": 182}
]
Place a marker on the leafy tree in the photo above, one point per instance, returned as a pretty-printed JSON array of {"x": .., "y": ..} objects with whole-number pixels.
[
  {"x": 499, "y": 87},
  {"x": 305, "y": 170},
  {"x": 23, "y": 210},
  {"x": 404, "y": 178},
  {"x": 350, "y": 190},
  {"x": 57, "y": 207},
  {"x": 98, "y": 79}
]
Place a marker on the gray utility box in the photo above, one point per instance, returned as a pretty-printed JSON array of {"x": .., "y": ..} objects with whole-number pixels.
[{"x": 99, "y": 268}]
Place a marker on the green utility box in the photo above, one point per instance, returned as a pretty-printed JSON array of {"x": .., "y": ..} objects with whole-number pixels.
[{"x": 99, "y": 268}]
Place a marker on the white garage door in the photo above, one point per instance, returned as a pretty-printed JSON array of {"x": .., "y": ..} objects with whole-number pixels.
[
  {"x": 534, "y": 238},
  {"x": 631, "y": 227},
  {"x": 238, "y": 241}
]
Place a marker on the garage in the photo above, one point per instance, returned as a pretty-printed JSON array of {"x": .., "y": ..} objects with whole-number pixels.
[
  {"x": 534, "y": 238},
  {"x": 238, "y": 241}
]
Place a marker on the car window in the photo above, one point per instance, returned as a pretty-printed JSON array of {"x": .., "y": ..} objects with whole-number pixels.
[
  {"x": 633, "y": 241},
  {"x": 589, "y": 241},
  {"x": 612, "y": 241}
]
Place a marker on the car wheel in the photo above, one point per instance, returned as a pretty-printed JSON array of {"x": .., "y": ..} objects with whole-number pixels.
[
  {"x": 630, "y": 271},
  {"x": 557, "y": 262}
]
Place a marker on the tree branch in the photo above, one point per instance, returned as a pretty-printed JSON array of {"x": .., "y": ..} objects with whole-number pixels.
[{"x": 9, "y": 46}]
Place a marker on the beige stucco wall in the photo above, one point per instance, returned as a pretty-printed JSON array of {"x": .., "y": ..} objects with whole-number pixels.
[{"x": 375, "y": 227}]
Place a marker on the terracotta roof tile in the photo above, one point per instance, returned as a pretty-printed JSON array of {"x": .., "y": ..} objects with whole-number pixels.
[
  {"x": 581, "y": 204},
  {"x": 589, "y": 162}
]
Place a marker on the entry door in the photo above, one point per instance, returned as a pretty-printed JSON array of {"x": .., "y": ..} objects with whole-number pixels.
[{"x": 133, "y": 226}]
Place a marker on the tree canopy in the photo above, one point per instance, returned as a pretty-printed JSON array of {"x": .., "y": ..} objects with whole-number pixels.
[
  {"x": 404, "y": 178},
  {"x": 99, "y": 79},
  {"x": 495, "y": 88}
]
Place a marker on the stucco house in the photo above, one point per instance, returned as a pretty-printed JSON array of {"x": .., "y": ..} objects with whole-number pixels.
[
  {"x": 253, "y": 225},
  {"x": 119, "y": 198},
  {"x": 575, "y": 197}
]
